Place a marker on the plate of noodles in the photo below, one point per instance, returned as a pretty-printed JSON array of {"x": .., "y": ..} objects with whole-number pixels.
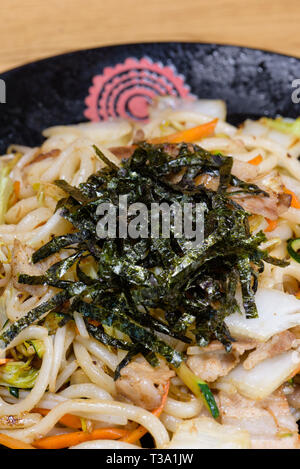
[{"x": 114, "y": 339}]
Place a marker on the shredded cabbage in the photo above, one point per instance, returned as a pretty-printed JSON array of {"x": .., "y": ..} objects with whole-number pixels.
[
  {"x": 205, "y": 433},
  {"x": 6, "y": 190},
  {"x": 6, "y": 185},
  {"x": 18, "y": 374},
  {"x": 46, "y": 189},
  {"x": 277, "y": 312},
  {"x": 264, "y": 378},
  {"x": 283, "y": 125},
  {"x": 32, "y": 347}
]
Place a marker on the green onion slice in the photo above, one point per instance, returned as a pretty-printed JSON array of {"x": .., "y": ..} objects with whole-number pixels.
[{"x": 293, "y": 246}]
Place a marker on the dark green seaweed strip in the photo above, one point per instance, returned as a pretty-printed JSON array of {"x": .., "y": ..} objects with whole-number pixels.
[
  {"x": 247, "y": 187},
  {"x": 72, "y": 191},
  {"x": 144, "y": 287},
  {"x": 137, "y": 333},
  {"x": 245, "y": 273},
  {"x": 102, "y": 157},
  {"x": 55, "y": 245},
  {"x": 98, "y": 333},
  {"x": 55, "y": 272},
  {"x": 59, "y": 269},
  {"x": 34, "y": 315}
]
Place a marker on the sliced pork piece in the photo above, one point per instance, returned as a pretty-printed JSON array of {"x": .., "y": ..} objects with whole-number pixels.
[
  {"x": 139, "y": 136},
  {"x": 143, "y": 384},
  {"x": 284, "y": 202},
  {"x": 209, "y": 366},
  {"x": 294, "y": 397},
  {"x": 259, "y": 205},
  {"x": 286, "y": 441},
  {"x": 243, "y": 170},
  {"x": 287, "y": 435},
  {"x": 277, "y": 405},
  {"x": 245, "y": 414},
  {"x": 269, "y": 422},
  {"x": 279, "y": 343},
  {"x": 270, "y": 207},
  {"x": 209, "y": 182},
  {"x": 122, "y": 152},
  {"x": 212, "y": 362}
]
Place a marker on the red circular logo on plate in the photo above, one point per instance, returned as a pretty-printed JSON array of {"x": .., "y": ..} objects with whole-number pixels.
[{"x": 127, "y": 89}]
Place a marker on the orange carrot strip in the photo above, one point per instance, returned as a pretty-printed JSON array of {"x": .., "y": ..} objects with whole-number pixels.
[
  {"x": 272, "y": 224},
  {"x": 16, "y": 187},
  {"x": 94, "y": 322},
  {"x": 294, "y": 373},
  {"x": 135, "y": 435},
  {"x": 12, "y": 443},
  {"x": 188, "y": 135},
  {"x": 141, "y": 431},
  {"x": 295, "y": 201},
  {"x": 297, "y": 295},
  {"x": 256, "y": 161},
  {"x": 68, "y": 420},
  {"x": 159, "y": 409},
  {"x": 3, "y": 361},
  {"x": 71, "y": 439}
]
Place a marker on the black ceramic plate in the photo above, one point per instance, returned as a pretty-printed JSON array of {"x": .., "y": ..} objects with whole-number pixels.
[{"x": 120, "y": 81}]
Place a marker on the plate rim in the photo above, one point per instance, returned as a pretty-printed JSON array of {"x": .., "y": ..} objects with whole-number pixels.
[{"x": 44, "y": 60}]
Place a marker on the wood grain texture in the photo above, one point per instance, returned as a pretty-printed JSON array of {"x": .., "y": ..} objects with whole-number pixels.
[{"x": 34, "y": 29}]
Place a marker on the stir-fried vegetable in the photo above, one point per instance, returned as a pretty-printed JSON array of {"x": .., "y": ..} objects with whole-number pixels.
[
  {"x": 3, "y": 361},
  {"x": 199, "y": 388},
  {"x": 139, "y": 432},
  {"x": 14, "y": 392},
  {"x": 265, "y": 377},
  {"x": 31, "y": 347},
  {"x": 7, "y": 187},
  {"x": 295, "y": 201},
  {"x": 6, "y": 190},
  {"x": 256, "y": 161},
  {"x": 283, "y": 125},
  {"x": 18, "y": 374},
  {"x": 272, "y": 224},
  {"x": 38, "y": 346},
  {"x": 293, "y": 247},
  {"x": 13, "y": 443},
  {"x": 189, "y": 135},
  {"x": 205, "y": 433},
  {"x": 52, "y": 322},
  {"x": 72, "y": 439},
  {"x": 71, "y": 421},
  {"x": 146, "y": 287},
  {"x": 277, "y": 312}
]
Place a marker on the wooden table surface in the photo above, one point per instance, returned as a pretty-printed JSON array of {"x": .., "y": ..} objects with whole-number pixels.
[{"x": 34, "y": 29}]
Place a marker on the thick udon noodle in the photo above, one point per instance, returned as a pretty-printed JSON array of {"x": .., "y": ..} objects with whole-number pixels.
[{"x": 71, "y": 356}]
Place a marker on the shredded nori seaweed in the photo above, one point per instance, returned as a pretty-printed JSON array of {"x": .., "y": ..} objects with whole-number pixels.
[{"x": 149, "y": 286}]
